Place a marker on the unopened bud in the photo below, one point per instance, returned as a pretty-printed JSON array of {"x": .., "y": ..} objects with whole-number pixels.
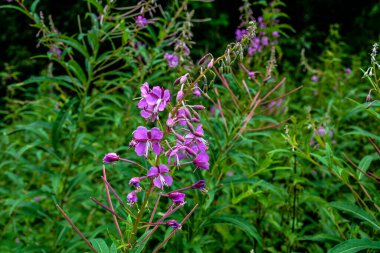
[
  {"x": 190, "y": 151},
  {"x": 368, "y": 98},
  {"x": 170, "y": 122},
  {"x": 111, "y": 157},
  {"x": 190, "y": 126},
  {"x": 183, "y": 78},
  {"x": 179, "y": 137},
  {"x": 187, "y": 113},
  {"x": 180, "y": 95},
  {"x": 199, "y": 107},
  {"x": 176, "y": 82},
  {"x": 195, "y": 120},
  {"x": 202, "y": 60},
  {"x": 196, "y": 115},
  {"x": 210, "y": 64}
]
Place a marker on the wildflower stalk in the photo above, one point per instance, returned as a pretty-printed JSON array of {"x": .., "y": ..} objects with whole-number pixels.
[
  {"x": 106, "y": 207},
  {"x": 154, "y": 210},
  {"x": 174, "y": 230},
  {"x": 132, "y": 162},
  {"x": 169, "y": 212},
  {"x": 110, "y": 204},
  {"x": 140, "y": 213},
  {"x": 76, "y": 228}
]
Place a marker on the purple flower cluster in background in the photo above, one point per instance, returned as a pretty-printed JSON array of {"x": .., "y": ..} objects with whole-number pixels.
[
  {"x": 321, "y": 132},
  {"x": 262, "y": 40},
  {"x": 172, "y": 59}
]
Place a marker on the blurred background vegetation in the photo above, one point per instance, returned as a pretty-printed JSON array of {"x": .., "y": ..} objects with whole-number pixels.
[{"x": 311, "y": 20}]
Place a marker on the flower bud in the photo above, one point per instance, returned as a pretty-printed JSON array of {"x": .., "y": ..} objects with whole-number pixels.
[
  {"x": 201, "y": 184},
  {"x": 199, "y": 107},
  {"x": 176, "y": 82},
  {"x": 180, "y": 95},
  {"x": 179, "y": 137},
  {"x": 174, "y": 224},
  {"x": 135, "y": 181},
  {"x": 210, "y": 64},
  {"x": 132, "y": 198},
  {"x": 190, "y": 151},
  {"x": 177, "y": 197},
  {"x": 183, "y": 78},
  {"x": 111, "y": 157}
]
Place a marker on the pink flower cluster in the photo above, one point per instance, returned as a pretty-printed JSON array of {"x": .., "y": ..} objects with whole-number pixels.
[
  {"x": 182, "y": 141},
  {"x": 153, "y": 101}
]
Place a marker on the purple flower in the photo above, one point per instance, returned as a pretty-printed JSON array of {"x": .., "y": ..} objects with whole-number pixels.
[
  {"x": 158, "y": 98},
  {"x": 196, "y": 91},
  {"x": 275, "y": 34},
  {"x": 132, "y": 198},
  {"x": 56, "y": 51},
  {"x": 314, "y": 78},
  {"x": 182, "y": 115},
  {"x": 152, "y": 101},
  {"x": 147, "y": 139},
  {"x": 348, "y": 70},
  {"x": 178, "y": 152},
  {"x": 160, "y": 178},
  {"x": 177, "y": 197},
  {"x": 321, "y": 131},
  {"x": 111, "y": 157},
  {"x": 141, "y": 22},
  {"x": 201, "y": 184},
  {"x": 135, "y": 181},
  {"x": 254, "y": 47},
  {"x": 37, "y": 198},
  {"x": 240, "y": 34},
  {"x": 260, "y": 19},
  {"x": 201, "y": 161},
  {"x": 172, "y": 59},
  {"x": 197, "y": 138},
  {"x": 174, "y": 224},
  {"x": 264, "y": 41}
]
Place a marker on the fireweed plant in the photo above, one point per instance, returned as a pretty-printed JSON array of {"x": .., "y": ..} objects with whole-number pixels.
[{"x": 86, "y": 84}]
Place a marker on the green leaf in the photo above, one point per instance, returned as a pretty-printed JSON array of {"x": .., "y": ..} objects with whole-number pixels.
[
  {"x": 70, "y": 42},
  {"x": 100, "y": 245},
  {"x": 62, "y": 115},
  {"x": 141, "y": 246},
  {"x": 364, "y": 165},
  {"x": 77, "y": 70},
  {"x": 356, "y": 211},
  {"x": 34, "y": 6},
  {"x": 238, "y": 222},
  {"x": 113, "y": 248},
  {"x": 355, "y": 245}
]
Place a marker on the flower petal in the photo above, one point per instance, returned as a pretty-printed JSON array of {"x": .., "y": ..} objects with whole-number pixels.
[
  {"x": 156, "y": 134},
  {"x": 163, "y": 168},
  {"x": 168, "y": 180},
  {"x": 156, "y": 147},
  {"x": 141, "y": 134},
  {"x": 153, "y": 172},
  {"x": 145, "y": 114},
  {"x": 157, "y": 182},
  {"x": 140, "y": 148}
]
